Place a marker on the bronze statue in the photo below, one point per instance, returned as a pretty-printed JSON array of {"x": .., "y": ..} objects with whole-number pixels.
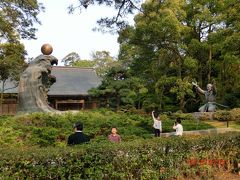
[
  {"x": 210, "y": 93},
  {"x": 35, "y": 82}
]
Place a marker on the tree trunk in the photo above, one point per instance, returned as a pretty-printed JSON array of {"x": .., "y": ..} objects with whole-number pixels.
[
  {"x": 160, "y": 99},
  {"x": 182, "y": 104},
  {"x": 138, "y": 101},
  {"x": 107, "y": 101},
  {"x": 209, "y": 64},
  {"x": 117, "y": 102},
  {"x": 139, "y": 104},
  {"x": 209, "y": 57},
  {"x": 2, "y": 91},
  {"x": 179, "y": 68},
  {"x": 200, "y": 75},
  {"x": 180, "y": 77}
]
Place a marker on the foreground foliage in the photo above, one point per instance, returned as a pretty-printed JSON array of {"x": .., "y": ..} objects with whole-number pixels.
[{"x": 158, "y": 158}]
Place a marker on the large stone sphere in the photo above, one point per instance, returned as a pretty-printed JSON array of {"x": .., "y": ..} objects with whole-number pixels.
[{"x": 46, "y": 49}]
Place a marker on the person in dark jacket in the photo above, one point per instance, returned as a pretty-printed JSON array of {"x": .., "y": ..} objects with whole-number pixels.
[{"x": 78, "y": 137}]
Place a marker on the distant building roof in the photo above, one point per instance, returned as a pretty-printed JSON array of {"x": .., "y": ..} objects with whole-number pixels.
[
  {"x": 70, "y": 81},
  {"x": 73, "y": 81},
  {"x": 9, "y": 87}
]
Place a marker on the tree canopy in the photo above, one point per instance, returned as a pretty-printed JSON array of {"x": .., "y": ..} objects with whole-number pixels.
[
  {"x": 175, "y": 42},
  {"x": 117, "y": 21},
  {"x": 101, "y": 61},
  {"x": 17, "y": 20},
  {"x": 11, "y": 63}
]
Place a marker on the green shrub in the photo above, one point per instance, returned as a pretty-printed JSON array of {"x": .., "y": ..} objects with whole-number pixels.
[
  {"x": 157, "y": 158},
  {"x": 235, "y": 114},
  {"x": 182, "y": 116},
  {"x": 43, "y": 129},
  {"x": 222, "y": 115},
  {"x": 206, "y": 116}
]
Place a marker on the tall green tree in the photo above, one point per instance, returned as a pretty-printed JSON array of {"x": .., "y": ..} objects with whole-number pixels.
[
  {"x": 17, "y": 19},
  {"x": 84, "y": 64},
  {"x": 70, "y": 59},
  {"x": 174, "y": 42},
  {"x": 11, "y": 63},
  {"x": 154, "y": 45},
  {"x": 103, "y": 62},
  {"x": 227, "y": 42},
  {"x": 111, "y": 86},
  {"x": 118, "y": 88},
  {"x": 203, "y": 19}
]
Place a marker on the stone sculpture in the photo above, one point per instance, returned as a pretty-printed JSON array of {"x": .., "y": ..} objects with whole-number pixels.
[{"x": 35, "y": 82}]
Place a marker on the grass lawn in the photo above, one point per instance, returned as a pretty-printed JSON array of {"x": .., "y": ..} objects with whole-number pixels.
[{"x": 219, "y": 124}]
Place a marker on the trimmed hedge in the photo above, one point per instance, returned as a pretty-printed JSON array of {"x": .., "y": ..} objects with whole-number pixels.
[
  {"x": 157, "y": 158},
  {"x": 42, "y": 129},
  {"x": 235, "y": 114},
  {"x": 222, "y": 115}
]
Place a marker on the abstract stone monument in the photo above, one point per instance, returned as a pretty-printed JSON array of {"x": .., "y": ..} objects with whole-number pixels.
[{"x": 35, "y": 82}]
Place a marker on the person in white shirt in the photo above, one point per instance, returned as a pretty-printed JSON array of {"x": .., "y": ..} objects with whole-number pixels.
[
  {"x": 179, "y": 128},
  {"x": 157, "y": 125}
]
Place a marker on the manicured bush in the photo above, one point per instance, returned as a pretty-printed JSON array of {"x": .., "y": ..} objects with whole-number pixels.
[
  {"x": 43, "y": 129},
  {"x": 34, "y": 147},
  {"x": 205, "y": 116},
  {"x": 157, "y": 158},
  {"x": 223, "y": 115},
  {"x": 235, "y": 114},
  {"x": 182, "y": 116}
]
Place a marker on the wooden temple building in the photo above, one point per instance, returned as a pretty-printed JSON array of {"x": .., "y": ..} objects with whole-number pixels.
[{"x": 69, "y": 92}]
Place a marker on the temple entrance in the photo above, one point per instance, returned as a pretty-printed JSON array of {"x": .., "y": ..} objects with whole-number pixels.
[{"x": 64, "y": 105}]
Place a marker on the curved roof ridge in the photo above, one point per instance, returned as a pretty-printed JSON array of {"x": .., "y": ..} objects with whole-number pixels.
[{"x": 71, "y": 67}]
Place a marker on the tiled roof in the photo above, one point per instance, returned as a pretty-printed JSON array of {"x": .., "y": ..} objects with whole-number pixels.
[
  {"x": 10, "y": 87},
  {"x": 70, "y": 81},
  {"x": 73, "y": 81}
]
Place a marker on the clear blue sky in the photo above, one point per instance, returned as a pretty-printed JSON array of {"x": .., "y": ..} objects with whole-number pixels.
[{"x": 71, "y": 33}]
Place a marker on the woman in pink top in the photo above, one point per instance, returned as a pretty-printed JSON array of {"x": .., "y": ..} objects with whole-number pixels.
[{"x": 114, "y": 137}]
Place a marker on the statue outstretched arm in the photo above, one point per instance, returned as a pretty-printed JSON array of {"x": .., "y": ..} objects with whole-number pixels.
[{"x": 198, "y": 88}]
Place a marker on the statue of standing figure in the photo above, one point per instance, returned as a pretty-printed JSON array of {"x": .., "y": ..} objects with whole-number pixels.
[
  {"x": 210, "y": 94},
  {"x": 35, "y": 82}
]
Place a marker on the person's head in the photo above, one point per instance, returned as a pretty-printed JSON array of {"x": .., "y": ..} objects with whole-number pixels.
[
  {"x": 158, "y": 117},
  {"x": 178, "y": 121},
  {"x": 114, "y": 130},
  {"x": 78, "y": 126},
  {"x": 209, "y": 87}
]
